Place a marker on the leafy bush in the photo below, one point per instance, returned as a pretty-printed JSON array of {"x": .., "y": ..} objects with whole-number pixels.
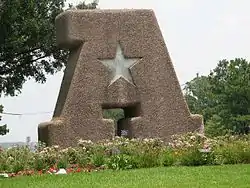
[
  {"x": 16, "y": 159},
  {"x": 193, "y": 149},
  {"x": 149, "y": 153},
  {"x": 120, "y": 162},
  {"x": 120, "y": 153},
  {"x": 195, "y": 157},
  {"x": 233, "y": 149},
  {"x": 214, "y": 127},
  {"x": 169, "y": 157}
]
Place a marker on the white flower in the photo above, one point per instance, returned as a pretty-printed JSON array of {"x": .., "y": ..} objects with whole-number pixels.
[
  {"x": 56, "y": 146},
  {"x": 192, "y": 137},
  {"x": 10, "y": 158},
  {"x": 81, "y": 141},
  {"x": 42, "y": 152},
  {"x": 89, "y": 142},
  {"x": 65, "y": 150}
]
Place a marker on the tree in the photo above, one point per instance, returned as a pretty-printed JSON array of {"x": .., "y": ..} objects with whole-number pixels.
[
  {"x": 27, "y": 42},
  {"x": 199, "y": 97},
  {"x": 3, "y": 128},
  {"x": 230, "y": 82},
  {"x": 83, "y": 5},
  {"x": 222, "y": 97}
]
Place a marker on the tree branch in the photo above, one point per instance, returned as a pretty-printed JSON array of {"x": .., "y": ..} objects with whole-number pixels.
[{"x": 20, "y": 53}]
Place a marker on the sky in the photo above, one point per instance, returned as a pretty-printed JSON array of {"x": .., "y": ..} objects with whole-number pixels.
[{"x": 198, "y": 33}]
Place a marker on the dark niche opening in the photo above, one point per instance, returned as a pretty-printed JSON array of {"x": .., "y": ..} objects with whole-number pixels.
[
  {"x": 121, "y": 116},
  {"x": 115, "y": 114}
]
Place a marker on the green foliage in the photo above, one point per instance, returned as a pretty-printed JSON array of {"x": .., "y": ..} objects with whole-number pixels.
[
  {"x": 148, "y": 154},
  {"x": 168, "y": 158},
  {"x": 114, "y": 114},
  {"x": 222, "y": 97},
  {"x": 3, "y": 128},
  {"x": 98, "y": 159},
  {"x": 214, "y": 127},
  {"x": 195, "y": 157},
  {"x": 39, "y": 163},
  {"x": 83, "y": 5},
  {"x": 233, "y": 150},
  {"x": 230, "y": 86},
  {"x": 199, "y": 97},
  {"x": 98, "y": 156},
  {"x": 16, "y": 159},
  {"x": 28, "y": 44},
  {"x": 120, "y": 153},
  {"x": 62, "y": 162},
  {"x": 120, "y": 162},
  {"x": 193, "y": 149}
]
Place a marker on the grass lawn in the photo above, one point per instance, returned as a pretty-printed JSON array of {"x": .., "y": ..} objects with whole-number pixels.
[{"x": 234, "y": 176}]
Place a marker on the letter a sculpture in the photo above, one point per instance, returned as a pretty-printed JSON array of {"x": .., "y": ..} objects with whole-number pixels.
[{"x": 118, "y": 59}]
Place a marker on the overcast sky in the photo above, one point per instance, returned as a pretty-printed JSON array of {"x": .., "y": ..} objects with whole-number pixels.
[{"x": 198, "y": 33}]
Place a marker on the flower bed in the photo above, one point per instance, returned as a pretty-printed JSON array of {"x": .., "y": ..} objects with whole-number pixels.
[{"x": 191, "y": 149}]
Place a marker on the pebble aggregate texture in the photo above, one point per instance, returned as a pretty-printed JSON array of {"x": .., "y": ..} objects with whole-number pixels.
[{"x": 153, "y": 102}]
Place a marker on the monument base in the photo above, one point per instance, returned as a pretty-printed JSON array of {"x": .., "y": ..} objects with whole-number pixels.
[
  {"x": 138, "y": 127},
  {"x": 56, "y": 132}
]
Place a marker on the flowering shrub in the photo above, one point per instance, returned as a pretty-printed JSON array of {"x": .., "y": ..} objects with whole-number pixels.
[
  {"x": 232, "y": 149},
  {"x": 192, "y": 149},
  {"x": 121, "y": 153}
]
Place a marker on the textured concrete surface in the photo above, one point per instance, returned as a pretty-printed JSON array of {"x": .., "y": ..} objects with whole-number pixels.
[{"x": 150, "y": 95}]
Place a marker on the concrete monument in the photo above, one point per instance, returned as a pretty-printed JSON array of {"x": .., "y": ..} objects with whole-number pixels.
[{"x": 118, "y": 59}]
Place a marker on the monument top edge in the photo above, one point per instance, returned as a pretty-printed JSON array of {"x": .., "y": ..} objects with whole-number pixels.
[
  {"x": 108, "y": 10},
  {"x": 94, "y": 11}
]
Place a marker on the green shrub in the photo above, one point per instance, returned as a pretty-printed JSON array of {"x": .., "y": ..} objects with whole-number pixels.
[
  {"x": 146, "y": 152},
  {"x": 168, "y": 157},
  {"x": 62, "y": 162},
  {"x": 233, "y": 150},
  {"x": 148, "y": 159},
  {"x": 82, "y": 158},
  {"x": 16, "y": 159},
  {"x": 195, "y": 157},
  {"x": 120, "y": 153},
  {"x": 39, "y": 163},
  {"x": 214, "y": 127},
  {"x": 120, "y": 162},
  {"x": 192, "y": 149},
  {"x": 98, "y": 156}
]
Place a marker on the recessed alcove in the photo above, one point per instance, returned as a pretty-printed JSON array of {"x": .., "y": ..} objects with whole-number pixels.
[{"x": 120, "y": 115}]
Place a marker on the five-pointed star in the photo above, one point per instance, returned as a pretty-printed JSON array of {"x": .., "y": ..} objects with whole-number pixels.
[{"x": 119, "y": 66}]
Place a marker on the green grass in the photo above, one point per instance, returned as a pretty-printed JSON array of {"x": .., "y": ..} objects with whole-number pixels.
[{"x": 234, "y": 176}]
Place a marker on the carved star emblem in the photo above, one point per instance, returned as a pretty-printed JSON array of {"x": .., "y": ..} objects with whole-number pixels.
[{"x": 120, "y": 66}]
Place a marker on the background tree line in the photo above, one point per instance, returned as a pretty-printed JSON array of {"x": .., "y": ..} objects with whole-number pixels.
[
  {"x": 28, "y": 51},
  {"x": 222, "y": 97}
]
